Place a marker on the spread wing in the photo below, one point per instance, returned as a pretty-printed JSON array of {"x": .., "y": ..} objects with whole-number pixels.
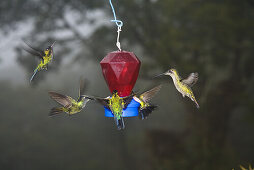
[
  {"x": 127, "y": 100},
  {"x": 82, "y": 87},
  {"x": 191, "y": 79},
  {"x": 34, "y": 51},
  {"x": 61, "y": 99},
  {"x": 148, "y": 95}
]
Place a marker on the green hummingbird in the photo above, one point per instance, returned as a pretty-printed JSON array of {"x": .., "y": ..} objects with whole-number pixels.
[
  {"x": 44, "y": 55},
  {"x": 116, "y": 104},
  {"x": 145, "y": 108},
  {"x": 69, "y": 105},
  {"x": 242, "y": 168},
  {"x": 183, "y": 85}
]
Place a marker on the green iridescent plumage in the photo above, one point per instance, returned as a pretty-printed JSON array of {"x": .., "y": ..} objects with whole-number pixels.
[
  {"x": 116, "y": 104},
  {"x": 45, "y": 56},
  {"x": 69, "y": 105},
  {"x": 183, "y": 85},
  {"x": 146, "y": 108}
]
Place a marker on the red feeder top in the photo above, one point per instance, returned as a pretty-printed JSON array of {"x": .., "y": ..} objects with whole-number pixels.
[{"x": 120, "y": 70}]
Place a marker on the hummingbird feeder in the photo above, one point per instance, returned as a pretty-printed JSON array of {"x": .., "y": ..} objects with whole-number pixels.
[{"x": 120, "y": 70}]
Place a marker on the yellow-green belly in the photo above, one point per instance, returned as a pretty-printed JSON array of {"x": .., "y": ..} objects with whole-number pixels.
[
  {"x": 184, "y": 89},
  {"x": 75, "y": 108},
  {"x": 72, "y": 110},
  {"x": 116, "y": 106},
  {"x": 43, "y": 64}
]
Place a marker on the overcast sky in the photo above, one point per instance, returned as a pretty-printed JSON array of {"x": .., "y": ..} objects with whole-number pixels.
[{"x": 11, "y": 71}]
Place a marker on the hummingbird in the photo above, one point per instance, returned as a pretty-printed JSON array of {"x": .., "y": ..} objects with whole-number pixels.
[
  {"x": 69, "y": 105},
  {"x": 242, "y": 168},
  {"x": 116, "y": 104},
  {"x": 183, "y": 85},
  {"x": 44, "y": 55},
  {"x": 145, "y": 108}
]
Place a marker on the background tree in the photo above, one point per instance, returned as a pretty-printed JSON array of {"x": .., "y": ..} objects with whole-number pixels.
[{"x": 214, "y": 38}]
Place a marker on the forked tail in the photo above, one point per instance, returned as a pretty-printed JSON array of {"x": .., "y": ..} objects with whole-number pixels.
[
  {"x": 119, "y": 123},
  {"x": 55, "y": 111},
  {"x": 145, "y": 112},
  {"x": 197, "y": 105}
]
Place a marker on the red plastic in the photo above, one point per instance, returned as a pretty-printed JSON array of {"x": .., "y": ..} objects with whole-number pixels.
[{"x": 120, "y": 70}]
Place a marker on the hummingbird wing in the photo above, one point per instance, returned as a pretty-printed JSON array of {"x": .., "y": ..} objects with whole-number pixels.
[
  {"x": 82, "y": 87},
  {"x": 127, "y": 100},
  {"x": 144, "y": 113},
  {"x": 34, "y": 51},
  {"x": 61, "y": 99},
  {"x": 148, "y": 95},
  {"x": 55, "y": 111},
  {"x": 191, "y": 79}
]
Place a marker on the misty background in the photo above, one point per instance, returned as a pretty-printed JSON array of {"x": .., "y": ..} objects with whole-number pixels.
[{"x": 214, "y": 38}]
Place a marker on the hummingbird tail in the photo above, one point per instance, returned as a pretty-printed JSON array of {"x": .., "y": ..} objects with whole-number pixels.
[
  {"x": 55, "y": 111},
  {"x": 197, "y": 105},
  {"x": 35, "y": 71},
  {"x": 145, "y": 112},
  {"x": 119, "y": 123}
]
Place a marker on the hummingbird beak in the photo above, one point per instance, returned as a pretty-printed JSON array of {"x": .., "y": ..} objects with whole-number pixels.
[
  {"x": 88, "y": 97},
  {"x": 53, "y": 44},
  {"x": 162, "y": 74}
]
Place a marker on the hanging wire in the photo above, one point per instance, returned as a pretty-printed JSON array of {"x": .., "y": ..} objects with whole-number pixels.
[{"x": 119, "y": 25}]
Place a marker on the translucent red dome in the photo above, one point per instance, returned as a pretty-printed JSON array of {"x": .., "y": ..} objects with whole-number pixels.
[{"x": 120, "y": 70}]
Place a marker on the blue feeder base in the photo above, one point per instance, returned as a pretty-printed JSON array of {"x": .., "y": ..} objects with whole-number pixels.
[{"x": 130, "y": 111}]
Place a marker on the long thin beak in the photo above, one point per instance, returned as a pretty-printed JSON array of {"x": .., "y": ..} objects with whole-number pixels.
[
  {"x": 88, "y": 97},
  {"x": 162, "y": 74},
  {"x": 53, "y": 44}
]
